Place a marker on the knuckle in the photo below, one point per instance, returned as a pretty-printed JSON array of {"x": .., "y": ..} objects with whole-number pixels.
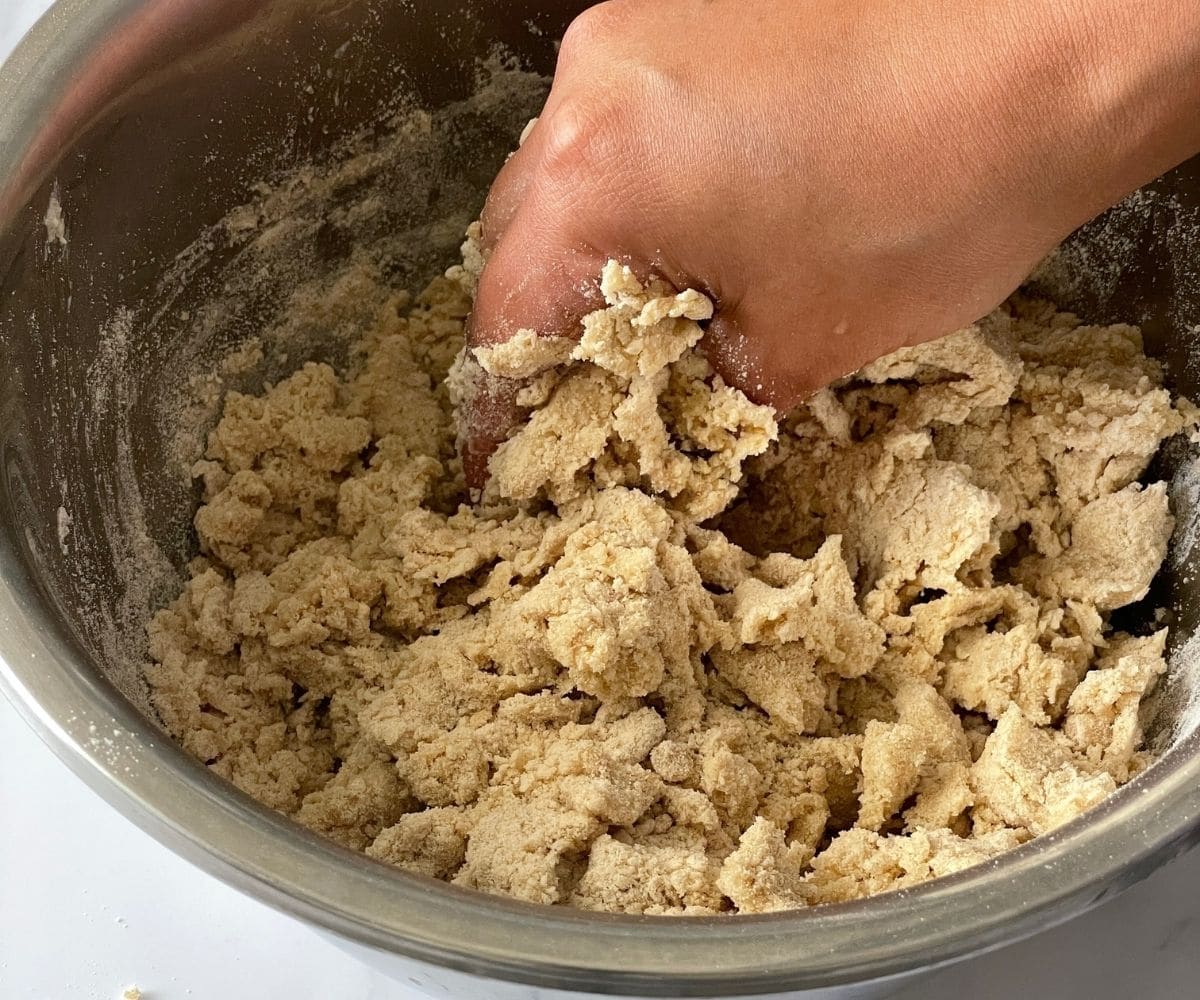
[
  {"x": 593, "y": 26},
  {"x": 584, "y": 133}
]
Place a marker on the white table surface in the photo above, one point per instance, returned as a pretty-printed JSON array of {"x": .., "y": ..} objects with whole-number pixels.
[{"x": 90, "y": 905}]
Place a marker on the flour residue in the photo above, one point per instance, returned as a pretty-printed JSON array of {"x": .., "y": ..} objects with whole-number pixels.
[
  {"x": 1179, "y": 703},
  {"x": 55, "y": 221},
  {"x": 64, "y": 528},
  {"x": 292, "y": 274}
]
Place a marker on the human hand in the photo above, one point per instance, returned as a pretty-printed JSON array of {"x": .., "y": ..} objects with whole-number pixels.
[{"x": 841, "y": 178}]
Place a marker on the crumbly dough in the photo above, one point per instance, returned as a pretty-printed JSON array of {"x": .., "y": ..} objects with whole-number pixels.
[{"x": 684, "y": 657}]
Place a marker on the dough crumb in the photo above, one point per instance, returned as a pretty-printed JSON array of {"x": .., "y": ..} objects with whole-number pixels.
[{"x": 685, "y": 656}]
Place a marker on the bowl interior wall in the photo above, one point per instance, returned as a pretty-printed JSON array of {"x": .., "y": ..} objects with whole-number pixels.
[{"x": 93, "y": 335}]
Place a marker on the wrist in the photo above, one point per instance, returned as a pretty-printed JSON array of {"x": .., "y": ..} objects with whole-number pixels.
[{"x": 1134, "y": 72}]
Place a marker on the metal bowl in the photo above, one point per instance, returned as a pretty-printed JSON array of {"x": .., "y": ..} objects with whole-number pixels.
[{"x": 147, "y": 121}]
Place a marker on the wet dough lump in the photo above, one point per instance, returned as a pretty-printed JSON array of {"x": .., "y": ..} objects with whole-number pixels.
[{"x": 685, "y": 656}]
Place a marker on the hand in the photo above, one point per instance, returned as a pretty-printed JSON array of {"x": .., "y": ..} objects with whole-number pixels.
[{"x": 841, "y": 178}]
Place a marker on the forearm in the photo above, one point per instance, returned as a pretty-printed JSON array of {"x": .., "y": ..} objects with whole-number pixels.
[
  {"x": 1136, "y": 76},
  {"x": 1024, "y": 116}
]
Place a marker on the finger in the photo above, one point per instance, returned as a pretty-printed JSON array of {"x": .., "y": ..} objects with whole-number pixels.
[
  {"x": 505, "y": 198},
  {"x": 538, "y": 278},
  {"x": 510, "y": 187},
  {"x": 736, "y": 358},
  {"x": 492, "y": 414},
  {"x": 769, "y": 357}
]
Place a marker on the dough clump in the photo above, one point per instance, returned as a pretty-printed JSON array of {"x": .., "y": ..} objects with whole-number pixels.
[{"x": 684, "y": 657}]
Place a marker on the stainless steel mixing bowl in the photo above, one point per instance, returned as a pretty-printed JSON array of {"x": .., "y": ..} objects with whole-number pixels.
[{"x": 151, "y": 119}]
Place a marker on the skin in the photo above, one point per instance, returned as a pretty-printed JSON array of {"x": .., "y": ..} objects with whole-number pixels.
[{"x": 842, "y": 178}]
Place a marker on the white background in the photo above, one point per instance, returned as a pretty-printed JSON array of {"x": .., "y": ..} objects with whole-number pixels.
[{"x": 90, "y": 905}]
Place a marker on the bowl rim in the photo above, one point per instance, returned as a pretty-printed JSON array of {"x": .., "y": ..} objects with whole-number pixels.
[
  {"x": 135, "y": 767},
  {"x": 130, "y": 763}
]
